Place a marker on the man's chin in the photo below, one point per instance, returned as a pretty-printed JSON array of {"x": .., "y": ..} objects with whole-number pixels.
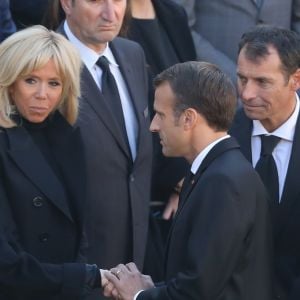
[
  {"x": 252, "y": 113},
  {"x": 166, "y": 153}
]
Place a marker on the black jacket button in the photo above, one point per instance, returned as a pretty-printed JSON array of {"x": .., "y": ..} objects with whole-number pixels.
[
  {"x": 44, "y": 237},
  {"x": 37, "y": 201}
]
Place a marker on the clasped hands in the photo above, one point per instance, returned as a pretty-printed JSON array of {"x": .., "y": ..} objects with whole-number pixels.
[{"x": 124, "y": 282}]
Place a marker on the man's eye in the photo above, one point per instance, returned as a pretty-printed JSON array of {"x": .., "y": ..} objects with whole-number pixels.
[
  {"x": 263, "y": 82},
  {"x": 242, "y": 80}
]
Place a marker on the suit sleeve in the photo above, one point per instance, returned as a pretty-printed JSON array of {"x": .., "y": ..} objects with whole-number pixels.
[{"x": 219, "y": 223}]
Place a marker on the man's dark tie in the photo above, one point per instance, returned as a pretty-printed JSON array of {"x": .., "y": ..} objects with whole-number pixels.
[
  {"x": 186, "y": 186},
  {"x": 187, "y": 183},
  {"x": 110, "y": 92},
  {"x": 266, "y": 166}
]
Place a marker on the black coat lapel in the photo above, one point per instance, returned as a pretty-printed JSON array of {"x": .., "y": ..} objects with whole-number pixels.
[
  {"x": 30, "y": 160},
  {"x": 69, "y": 153}
]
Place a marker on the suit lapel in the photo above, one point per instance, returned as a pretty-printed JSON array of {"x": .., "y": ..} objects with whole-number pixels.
[
  {"x": 31, "y": 162},
  {"x": 128, "y": 74},
  {"x": 291, "y": 191},
  {"x": 258, "y": 3},
  {"x": 131, "y": 76},
  {"x": 242, "y": 131},
  {"x": 217, "y": 150},
  {"x": 92, "y": 95}
]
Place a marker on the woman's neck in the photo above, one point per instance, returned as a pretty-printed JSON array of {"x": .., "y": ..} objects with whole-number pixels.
[{"x": 142, "y": 9}]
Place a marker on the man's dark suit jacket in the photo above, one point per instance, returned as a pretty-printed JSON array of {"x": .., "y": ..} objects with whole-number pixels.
[
  {"x": 285, "y": 217},
  {"x": 118, "y": 188},
  {"x": 41, "y": 227},
  {"x": 219, "y": 246}
]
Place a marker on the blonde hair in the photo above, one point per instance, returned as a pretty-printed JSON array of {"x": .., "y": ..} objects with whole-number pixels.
[{"x": 31, "y": 49}]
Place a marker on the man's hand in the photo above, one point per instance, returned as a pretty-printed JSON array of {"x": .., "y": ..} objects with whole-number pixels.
[
  {"x": 171, "y": 207},
  {"x": 126, "y": 281}
]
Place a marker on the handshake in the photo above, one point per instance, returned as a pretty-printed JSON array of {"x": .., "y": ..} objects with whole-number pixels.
[{"x": 124, "y": 282}]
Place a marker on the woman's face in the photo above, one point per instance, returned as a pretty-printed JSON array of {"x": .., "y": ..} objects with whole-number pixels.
[{"x": 37, "y": 94}]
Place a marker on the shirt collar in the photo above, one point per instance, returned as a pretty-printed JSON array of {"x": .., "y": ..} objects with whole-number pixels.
[
  {"x": 88, "y": 56},
  {"x": 285, "y": 131},
  {"x": 200, "y": 157}
]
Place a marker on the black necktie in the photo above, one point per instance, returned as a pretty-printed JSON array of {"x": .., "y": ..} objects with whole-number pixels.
[
  {"x": 110, "y": 92},
  {"x": 266, "y": 166},
  {"x": 187, "y": 183}
]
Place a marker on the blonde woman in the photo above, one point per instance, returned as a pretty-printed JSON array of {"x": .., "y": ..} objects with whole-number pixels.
[{"x": 41, "y": 170}]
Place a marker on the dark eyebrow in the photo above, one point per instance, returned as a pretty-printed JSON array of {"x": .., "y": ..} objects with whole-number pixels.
[
  {"x": 266, "y": 79},
  {"x": 239, "y": 74}
]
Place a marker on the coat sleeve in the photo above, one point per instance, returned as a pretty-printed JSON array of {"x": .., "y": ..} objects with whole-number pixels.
[{"x": 22, "y": 273}]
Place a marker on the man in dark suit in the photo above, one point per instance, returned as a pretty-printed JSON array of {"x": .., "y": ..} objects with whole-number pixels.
[
  {"x": 219, "y": 245},
  {"x": 268, "y": 78},
  {"x": 118, "y": 156}
]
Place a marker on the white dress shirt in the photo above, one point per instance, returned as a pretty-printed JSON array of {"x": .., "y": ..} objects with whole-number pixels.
[
  {"x": 89, "y": 58},
  {"x": 282, "y": 151}
]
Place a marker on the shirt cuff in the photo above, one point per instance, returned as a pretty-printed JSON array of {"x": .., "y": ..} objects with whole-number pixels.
[
  {"x": 104, "y": 281},
  {"x": 136, "y": 295}
]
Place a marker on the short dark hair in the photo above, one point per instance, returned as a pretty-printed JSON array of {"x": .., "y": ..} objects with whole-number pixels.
[
  {"x": 286, "y": 42},
  {"x": 204, "y": 87}
]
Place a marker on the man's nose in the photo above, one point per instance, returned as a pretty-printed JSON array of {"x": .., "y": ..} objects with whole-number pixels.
[
  {"x": 154, "y": 124},
  {"x": 108, "y": 11},
  {"x": 247, "y": 91}
]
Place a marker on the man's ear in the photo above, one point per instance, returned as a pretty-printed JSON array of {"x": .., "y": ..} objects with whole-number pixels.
[
  {"x": 189, "y": 118},
  {"x": 295, "y": 80},
  {"x": 66, "y": 5}
]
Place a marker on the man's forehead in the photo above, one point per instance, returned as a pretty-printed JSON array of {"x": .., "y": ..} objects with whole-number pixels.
[
  {"x": 257, "y": 57},
  {"x": 269, "y": 62}
]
